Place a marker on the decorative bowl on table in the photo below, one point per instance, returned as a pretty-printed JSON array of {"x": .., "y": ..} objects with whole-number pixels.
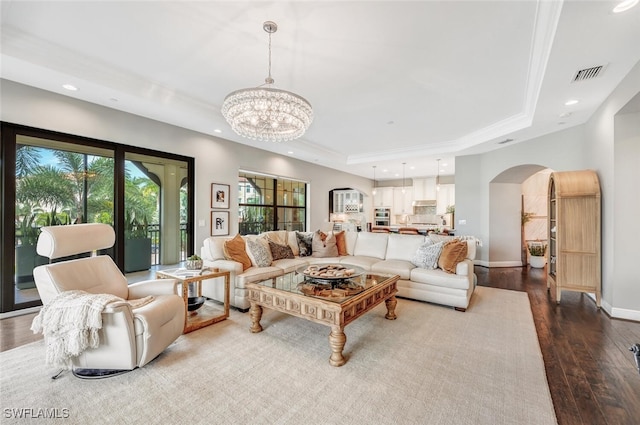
[
  {"x": 193, "y": 264},
  {"x": 330, "y": 273},
  {"x": 195, "y": 303}
]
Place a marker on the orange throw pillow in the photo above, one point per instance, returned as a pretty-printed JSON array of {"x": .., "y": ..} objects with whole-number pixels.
[
  {"x": 341, "y": 242},
  {"x": 234, "y": 249},
  {"x": 452, "y": 253}
]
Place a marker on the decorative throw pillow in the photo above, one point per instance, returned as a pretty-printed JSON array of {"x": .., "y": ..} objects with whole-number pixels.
[
  {"x": 341, "y": 243},
  {"x": 427, "y": 255},
  {"x": 452, "y": 253},
  {"x": 279, "y": 252},
  {"x": 324, "y": 245},
  {"x": 440, "y": 238},
  {"x": 259, "y": 252},
  {"x": 234, "y": 249},
  {"x": 305, "y": 241}
]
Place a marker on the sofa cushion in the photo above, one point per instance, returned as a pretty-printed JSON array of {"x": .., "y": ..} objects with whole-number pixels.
[
  {"x": 359, "y": 261},
  {"x": 213, "y": 248},
  {"x": 371, "y": 244},
  {"x": 439, "y": 277},
  {"x": 305, "y": 243},
  {"x": 400, "y": 267},
  {"x": 257, "y": 274},
  {"x": 277, "y": 236},
  {"x": 324, "y": 245},
  {"x": 235, "y": 249},
  {"x": 259, "y": 252},
  {"x": 289, "y": 265},
  {"x": 452, "y": 253},
  {"x": 279, "y": 252},
  {"x": 403, "y": 247},
  {"x": 341, "y": 243},
  {"x": 427, "y": 255}
]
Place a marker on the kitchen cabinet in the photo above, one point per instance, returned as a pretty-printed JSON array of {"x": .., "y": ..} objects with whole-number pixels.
[
  {"x": 347, "y": 201},
  {"x": 383, "y": 197},
  {"x": 424, "y": 188},
  {"x": 445, "y": 196},
  {"x": 402, "y": 202}
]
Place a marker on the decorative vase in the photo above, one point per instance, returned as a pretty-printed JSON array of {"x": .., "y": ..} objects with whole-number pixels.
[
  {"x": 537, "y": 262},
  {"x": 194, "y": 264}
]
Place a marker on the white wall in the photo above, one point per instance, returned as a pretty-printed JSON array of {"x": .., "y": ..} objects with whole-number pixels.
[
  {"x": 216, "y": 160},
  {"x": 607, "y": 144}
]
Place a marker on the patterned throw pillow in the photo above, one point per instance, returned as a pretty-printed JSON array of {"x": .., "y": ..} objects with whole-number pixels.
[
  {"x": 280, "y": 252},
  {"x": 324, "y": 245},
  {"x": 427, "y": 255},
  {"x": 259, "y": 252},
  {"x": 452, "y": 253},
  {"x": 305, "y": 241}
]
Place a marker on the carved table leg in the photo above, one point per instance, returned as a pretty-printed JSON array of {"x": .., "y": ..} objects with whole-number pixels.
[
  {"x": 337, "y": 340},
  {"x": 255, "y": 311},
  {"x": 391, "y": 308}
]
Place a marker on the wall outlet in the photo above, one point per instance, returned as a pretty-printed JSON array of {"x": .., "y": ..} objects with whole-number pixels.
[
  {"x": 201, "y": 223},
  {"x": 462, "y": 222}
]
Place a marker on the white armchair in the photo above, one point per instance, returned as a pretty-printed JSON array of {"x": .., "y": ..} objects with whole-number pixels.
[{"x": 130, "y": 337}]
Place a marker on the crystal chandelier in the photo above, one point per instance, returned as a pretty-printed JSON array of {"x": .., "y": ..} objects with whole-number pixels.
[{"x": 267, "y": 114}]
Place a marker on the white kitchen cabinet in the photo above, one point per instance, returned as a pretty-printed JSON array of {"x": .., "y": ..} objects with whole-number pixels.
[
  {"x": 424, "y": 189},
  {"x": 383, "y": 197},
  {"x": 445, "y": 196},
  {"x": 402, "y": 202}
]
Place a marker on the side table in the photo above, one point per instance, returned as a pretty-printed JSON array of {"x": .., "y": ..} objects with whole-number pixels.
[{"x": 207, "y": 314}]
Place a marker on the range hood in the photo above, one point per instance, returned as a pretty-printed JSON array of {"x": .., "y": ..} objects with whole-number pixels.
[{"x": 425, "y": 203}]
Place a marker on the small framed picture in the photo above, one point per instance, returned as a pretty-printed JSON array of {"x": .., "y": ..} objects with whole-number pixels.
[
  {"x": 219, "y": 223},
  {"x": 219, "y": 195}
]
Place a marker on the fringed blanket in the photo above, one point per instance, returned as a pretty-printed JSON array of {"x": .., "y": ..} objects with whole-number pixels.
[{"x": 70, "y": 324}]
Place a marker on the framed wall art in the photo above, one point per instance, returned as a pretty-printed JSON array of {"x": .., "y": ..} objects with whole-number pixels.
[
  {"x": 219, "y": 223},
  {"x": 219, "y": 195}
]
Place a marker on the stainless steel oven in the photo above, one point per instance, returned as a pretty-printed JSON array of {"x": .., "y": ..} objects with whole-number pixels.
[{"x": 382, "y": 217}]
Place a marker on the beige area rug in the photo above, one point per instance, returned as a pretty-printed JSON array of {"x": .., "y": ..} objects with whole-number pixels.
[{"x": 432, "y": 365}]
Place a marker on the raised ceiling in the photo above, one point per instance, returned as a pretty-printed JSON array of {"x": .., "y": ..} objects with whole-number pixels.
[{"x": 389, "y": 81}]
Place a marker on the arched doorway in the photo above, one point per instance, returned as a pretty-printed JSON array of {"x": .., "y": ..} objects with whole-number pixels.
[{"x": 514, "y": 191}]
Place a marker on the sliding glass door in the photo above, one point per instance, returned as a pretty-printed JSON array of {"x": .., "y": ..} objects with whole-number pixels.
[{"x": 49, "y": 179}]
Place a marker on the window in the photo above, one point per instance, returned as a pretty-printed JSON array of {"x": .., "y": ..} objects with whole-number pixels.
[
  {"x": 51, "y": 178},
  {"x": 269, "y": 203}
]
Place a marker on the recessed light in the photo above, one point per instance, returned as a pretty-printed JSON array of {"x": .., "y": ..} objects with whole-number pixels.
[
  {"x": 565, "y": 115},
  {"x": 217, "y": 130},
  {"x": 69, "y": 87},
  {"x": 625, "y": 5},
  {"x": 571, "y": 102},
  {"x": 445, "y": 164},
  {"x": 290, "y": 152}
]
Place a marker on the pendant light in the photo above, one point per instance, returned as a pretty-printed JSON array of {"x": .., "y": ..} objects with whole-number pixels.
[
  {"x": 374, "y": 181},
  {"x": 438, "y": 176}
]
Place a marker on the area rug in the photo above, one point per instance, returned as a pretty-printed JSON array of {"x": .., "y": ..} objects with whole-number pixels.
[{"x": 433, "y": 365}]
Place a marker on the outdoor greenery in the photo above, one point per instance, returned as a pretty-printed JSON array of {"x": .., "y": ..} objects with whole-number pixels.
[{"x": 77, "y": 189}]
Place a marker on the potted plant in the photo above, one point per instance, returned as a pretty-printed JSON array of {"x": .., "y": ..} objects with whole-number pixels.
[
  {"x": 537, "y": 251},
  {"x": 194, "y": 262}
]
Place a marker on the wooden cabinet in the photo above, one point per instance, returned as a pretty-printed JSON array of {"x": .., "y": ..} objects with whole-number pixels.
[{"x": 574, "y": 233}]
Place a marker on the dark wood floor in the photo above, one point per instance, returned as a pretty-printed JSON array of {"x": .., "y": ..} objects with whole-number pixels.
[{"x": 591, "y": 372}]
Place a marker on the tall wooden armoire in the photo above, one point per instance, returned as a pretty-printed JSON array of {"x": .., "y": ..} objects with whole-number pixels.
[{"x": 574, "y": 233}]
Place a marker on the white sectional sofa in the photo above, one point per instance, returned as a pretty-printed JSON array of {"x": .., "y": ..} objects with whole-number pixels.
[{"x": 375, "y": 252}]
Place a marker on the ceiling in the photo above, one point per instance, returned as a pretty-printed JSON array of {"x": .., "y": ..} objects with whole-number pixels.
[{"x": 390, "y": 82}]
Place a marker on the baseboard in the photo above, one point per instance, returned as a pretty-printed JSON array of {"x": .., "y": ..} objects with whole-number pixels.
[
  {"x": 626, "y": 314},
  {"x": 483, "y": 263}
]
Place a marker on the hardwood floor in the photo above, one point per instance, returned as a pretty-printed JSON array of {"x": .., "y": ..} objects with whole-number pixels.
[{"x": 592, "y": 374}]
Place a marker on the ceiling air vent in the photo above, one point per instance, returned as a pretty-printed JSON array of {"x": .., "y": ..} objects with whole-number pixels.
[{"x": 588, "y": 73}]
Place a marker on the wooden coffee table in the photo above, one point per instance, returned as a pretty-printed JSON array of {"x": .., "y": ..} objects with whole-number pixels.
[{"x": 336, "y": 310}]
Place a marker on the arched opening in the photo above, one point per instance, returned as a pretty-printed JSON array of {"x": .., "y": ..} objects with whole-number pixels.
[{"x": 517, "y": 190}]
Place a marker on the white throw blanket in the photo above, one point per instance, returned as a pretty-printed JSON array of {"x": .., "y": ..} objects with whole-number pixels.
[{"x": 70, "y": 324}]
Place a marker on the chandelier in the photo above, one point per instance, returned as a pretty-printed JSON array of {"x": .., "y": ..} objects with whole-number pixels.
[{"x": 267, "y": 114}]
